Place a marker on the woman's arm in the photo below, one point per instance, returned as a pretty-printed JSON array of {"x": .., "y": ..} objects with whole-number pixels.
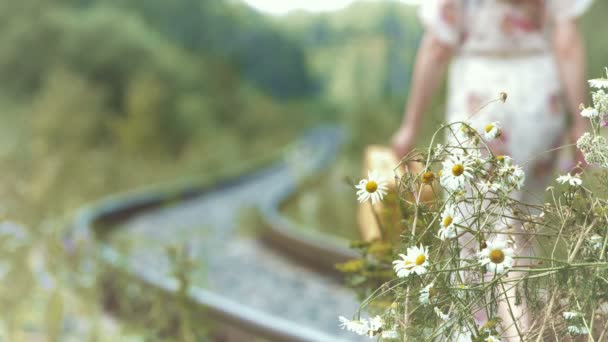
[
  {"x": 571, "y": 61},
  {"x": 429, "y": 67}
]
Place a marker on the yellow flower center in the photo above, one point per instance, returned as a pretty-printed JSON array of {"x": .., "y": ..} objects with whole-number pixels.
[
  {"x": 371, "y": 187},
  {"x": 448, "y": 221},
  {"x": 500, "y": 158},
  {"x": 428, "y": 177},
  {"x": 489, "y": 128},
  {"x": 497, "y": 256},
  {"x": 420, "y": 259},
  {"x": 408, "y": 264},
  {"x": 457, "y": 170}
]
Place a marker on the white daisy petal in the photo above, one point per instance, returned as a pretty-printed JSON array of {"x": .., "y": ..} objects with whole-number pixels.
[
  {"x": 569, "y": 179},
  {"x": 599, "y": 83},
  {"x": 426, "y": 294},
  {"x": 590, "y": 113}
]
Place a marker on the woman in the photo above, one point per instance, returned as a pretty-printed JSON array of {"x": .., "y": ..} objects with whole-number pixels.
[{"x": 530, "y": 49}]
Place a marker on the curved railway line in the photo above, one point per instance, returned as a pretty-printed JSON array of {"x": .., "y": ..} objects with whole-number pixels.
[{"x": 278, "y": 285}]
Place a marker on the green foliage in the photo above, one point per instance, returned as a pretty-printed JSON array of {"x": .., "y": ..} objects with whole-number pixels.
[
  {"x": 231, "y": 31},
  {"x": 362, "y": 54},
  {"x": 102, "y": 99}
]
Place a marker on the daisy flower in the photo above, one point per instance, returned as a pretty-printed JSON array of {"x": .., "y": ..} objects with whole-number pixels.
[
  {"x": 518, "y": 177},
  {"x": 599, "y": 82},
  {"x": 426, "y": 294},
  {"x": 416, "y": 261},
  {"x": 420, "y": 257},
  {"x": 492, "y": 339},
  {"x": 464, "y": 335},
  {"x": 403, "y": 267},
  {"x": 572, "y": 180},
  {"x": 492, "y": 131},
  {"x": 464, "y": 132},
  {"x": 390, "y": 334},
  {"x": 600, "y": 100},
  {"x": 374, "y": 188},
  {"x": 570, "y": 315},
  {"x": 590, "y": 112},
  {"x": 375, "y": 323},
  {"x": 450, "y": 218},
  {"x": 594, "y": 148},
  {"x": 359, "y": 327},
  {"x": 487, "y": 186},
  {"x": 456, "y": 170},
  {"x": 369, "y": 327},
  {"x": 441, "y": 315},
  {"x": 515, "y": 176},
  {"x": 596, "y": 241},
  {"x": 497, "y": 257},
  {"x": 506, "y": 160},
  {"x": 577, "y": 330}
]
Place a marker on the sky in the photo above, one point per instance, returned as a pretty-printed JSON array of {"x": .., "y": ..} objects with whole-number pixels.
[{"x": 284, "y": 6}]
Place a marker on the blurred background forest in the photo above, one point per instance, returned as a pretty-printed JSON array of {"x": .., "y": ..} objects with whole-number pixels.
[{"x": 101, "y": 96}]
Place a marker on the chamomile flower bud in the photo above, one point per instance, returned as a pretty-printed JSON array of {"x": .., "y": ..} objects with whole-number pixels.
[
  {"x": 428, "y": 177},
  {"x": 503, "y": 96}
]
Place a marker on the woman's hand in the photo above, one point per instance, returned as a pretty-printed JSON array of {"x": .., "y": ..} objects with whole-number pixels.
[
  {"x": 432, "y": 58},
  {"x": 403, "y": 141},
  {"x": 570, "y": 57}
]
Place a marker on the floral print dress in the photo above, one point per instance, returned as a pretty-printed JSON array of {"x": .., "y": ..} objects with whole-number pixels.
[{"x": 504, "y": 46}]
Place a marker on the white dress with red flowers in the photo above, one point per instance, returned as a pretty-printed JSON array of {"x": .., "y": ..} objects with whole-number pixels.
[{"x": 504, "y": 46}]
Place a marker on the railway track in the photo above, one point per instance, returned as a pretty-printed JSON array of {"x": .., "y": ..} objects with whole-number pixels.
[{"x": 279, "y": 285}]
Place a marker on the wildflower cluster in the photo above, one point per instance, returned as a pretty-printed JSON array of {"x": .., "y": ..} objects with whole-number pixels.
[
  {"x": 470, "y": 262},
  {"x": 371, "y": 327},
  {"x": 593, "y": 145}
]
